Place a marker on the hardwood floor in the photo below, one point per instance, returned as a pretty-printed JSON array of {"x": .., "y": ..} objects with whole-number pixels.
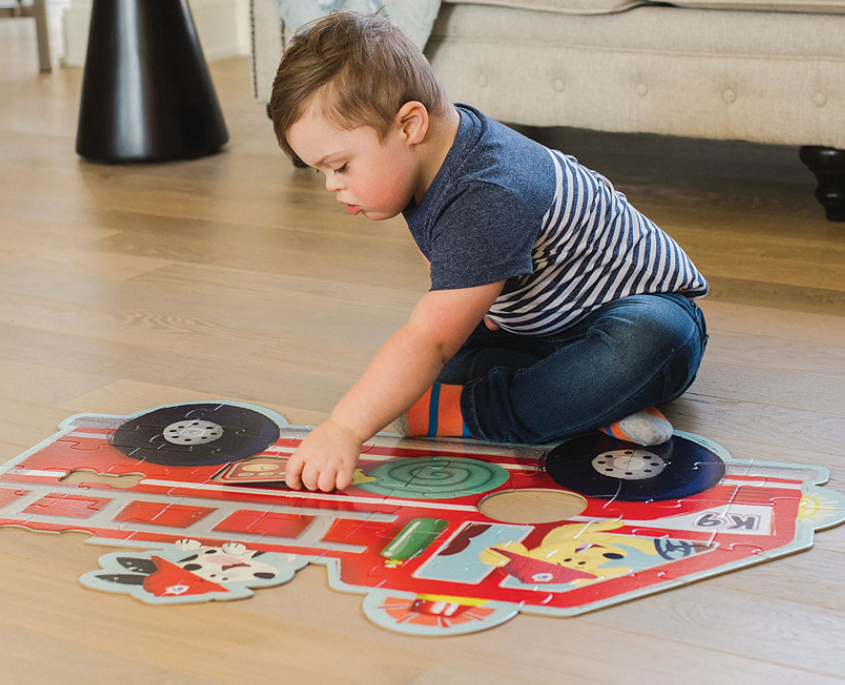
[{"x": 236, "y": 277}]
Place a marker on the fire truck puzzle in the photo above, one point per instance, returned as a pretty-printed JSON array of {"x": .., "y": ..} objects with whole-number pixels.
[{"x": 192, "y": 496}]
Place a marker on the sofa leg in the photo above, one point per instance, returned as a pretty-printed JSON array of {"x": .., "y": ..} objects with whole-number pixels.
[{"x": 828, "y": 164}]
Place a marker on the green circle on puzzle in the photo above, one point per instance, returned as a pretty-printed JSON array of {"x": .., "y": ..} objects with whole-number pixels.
[{"x": 435, "y": 478}]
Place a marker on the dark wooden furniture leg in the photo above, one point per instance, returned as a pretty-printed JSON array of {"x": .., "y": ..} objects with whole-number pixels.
[{"x": 828, "y": 164}]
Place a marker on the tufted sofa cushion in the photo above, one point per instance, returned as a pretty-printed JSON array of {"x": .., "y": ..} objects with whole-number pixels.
[{"x": 769, "y": 77}]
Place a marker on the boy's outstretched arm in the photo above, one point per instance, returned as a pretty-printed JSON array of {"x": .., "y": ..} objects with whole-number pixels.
[{"x": 401, "y": 371}]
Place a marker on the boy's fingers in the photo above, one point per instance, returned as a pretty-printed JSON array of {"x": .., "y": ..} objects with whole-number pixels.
[
  {"x": 327, "y": 480},
  {"x": 293, "y": 469},
  {"x": 309, "y": 477},
  {"x": 344, "y": 479}
]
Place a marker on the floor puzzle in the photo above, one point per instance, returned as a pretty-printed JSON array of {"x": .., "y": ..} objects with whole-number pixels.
[{"x": 191, "y": 495}]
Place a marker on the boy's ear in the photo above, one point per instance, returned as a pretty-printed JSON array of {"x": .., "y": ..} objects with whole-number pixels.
[{"x": 412, "y": 119}]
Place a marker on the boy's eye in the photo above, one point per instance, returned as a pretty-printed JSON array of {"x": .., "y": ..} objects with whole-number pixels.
[{"x": 341, "y": 169}]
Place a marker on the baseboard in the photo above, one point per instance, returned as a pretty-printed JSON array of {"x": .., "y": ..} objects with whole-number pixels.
[{"x": 222, "y": 25}]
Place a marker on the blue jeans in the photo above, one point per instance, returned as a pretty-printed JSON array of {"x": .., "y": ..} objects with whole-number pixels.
[{"x": 638, "y": 351}]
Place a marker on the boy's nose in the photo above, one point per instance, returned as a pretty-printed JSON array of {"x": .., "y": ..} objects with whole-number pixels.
[{"x": 332, "y": 183}]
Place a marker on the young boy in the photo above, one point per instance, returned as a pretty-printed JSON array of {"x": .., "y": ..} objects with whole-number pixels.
[{"x": 555, "y": 307}]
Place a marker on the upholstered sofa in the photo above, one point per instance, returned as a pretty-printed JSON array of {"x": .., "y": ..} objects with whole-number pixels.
[{"x": 769, "y": 72}]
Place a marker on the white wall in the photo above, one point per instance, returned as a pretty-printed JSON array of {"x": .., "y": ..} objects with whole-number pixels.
[{"x": 222, "y": 25}]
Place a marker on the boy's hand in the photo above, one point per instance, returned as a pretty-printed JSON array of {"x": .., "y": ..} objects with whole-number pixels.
[{"x": 325, "y": 460}]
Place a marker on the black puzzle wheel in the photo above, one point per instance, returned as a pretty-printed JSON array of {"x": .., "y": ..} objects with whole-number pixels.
[
  {"x": 601, "y": 466},
  {"x": 196, "y": 434}
]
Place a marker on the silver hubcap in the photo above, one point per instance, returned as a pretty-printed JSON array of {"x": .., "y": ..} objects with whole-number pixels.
[
  {"x": 629, "y": 464},
  {"x": 193, "y": 432}
]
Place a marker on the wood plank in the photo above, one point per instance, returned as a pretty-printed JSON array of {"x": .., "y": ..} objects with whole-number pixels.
[
  {"x": 788, "y": 431},
  {"x": 773, "y": 631},
  {"x": 33, "y": 659},
  {"x": 801, "y": 326}
]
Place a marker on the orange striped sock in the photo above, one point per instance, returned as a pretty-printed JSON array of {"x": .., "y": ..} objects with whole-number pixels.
[
  {"x": 647, "y": 427},
  {"x": 438, "y": 412}
]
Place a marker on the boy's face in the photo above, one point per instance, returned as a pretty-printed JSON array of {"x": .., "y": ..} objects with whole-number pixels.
[{"x": 374, "y": 178}]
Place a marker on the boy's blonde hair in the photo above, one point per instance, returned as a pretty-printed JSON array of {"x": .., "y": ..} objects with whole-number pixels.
[{"x": 361, "y": 66}]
